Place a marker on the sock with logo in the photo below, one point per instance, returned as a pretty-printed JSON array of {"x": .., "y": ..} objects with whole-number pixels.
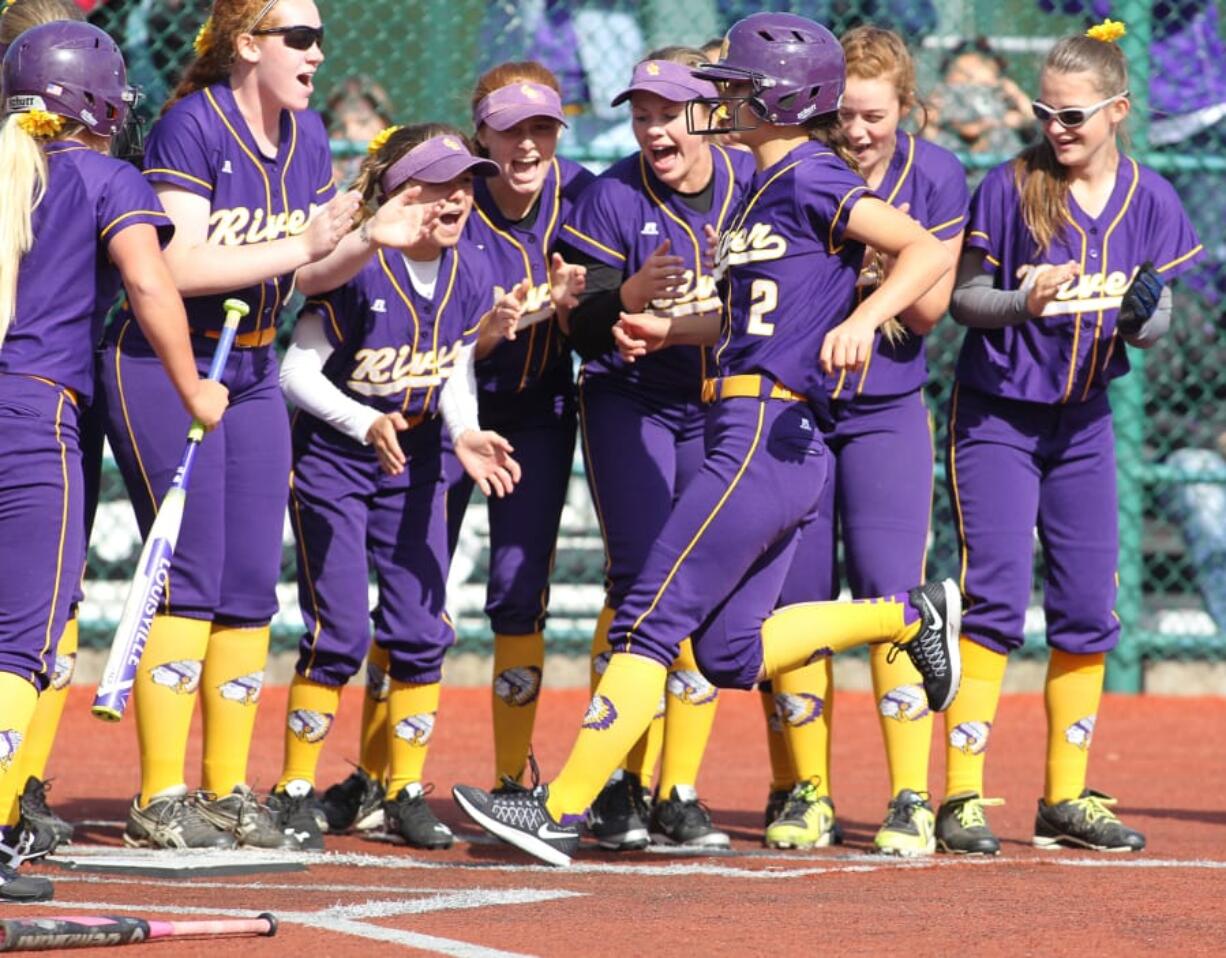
[
  {"x": 689, "y": 714},
  {"x": 233, "y": 680},
  {"x": 797, "y": 635},
  {"x": 783, "y": 775},
  {"x": 164, "y": 699},
  {"x": 906, "y": 722},
  {"x": 411, "y": 711},
  {"x": 1072, "y": 695},
  {"x": 969, "y": 718},
  {"x": 622, "y": 707},
  {"x": 18, "y": 699},
  {"x": 804, "y": 699},
  {"x": 373, "y": 756},
  {"x": 40, "y": 738},
  {"x": 518, "y": 664},
  {"x": 309, "y": 717}
]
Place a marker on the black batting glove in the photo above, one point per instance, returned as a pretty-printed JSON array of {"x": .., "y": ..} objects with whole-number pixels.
[{"x": 1139, "y": 301}]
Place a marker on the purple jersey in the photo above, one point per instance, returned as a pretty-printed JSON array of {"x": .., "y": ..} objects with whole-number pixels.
[
  {"x": 932, "y": 182},
  {"x": 203, "y": 145},
  {"x": 67, "y": 283},
  {"x": 516, "y": 252},
  {"x": 1070, "y": 352},
  {"x": 395, "y": 349},
  {"x": 791, "y": 273},
  {"x": 623, "y": 217}
]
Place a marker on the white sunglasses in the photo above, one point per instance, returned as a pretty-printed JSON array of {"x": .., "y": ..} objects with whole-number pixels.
[{"x": 1071, "y": 117}]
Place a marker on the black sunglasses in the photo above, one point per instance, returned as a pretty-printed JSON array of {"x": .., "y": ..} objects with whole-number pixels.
[{"x": 296, "y": 38}]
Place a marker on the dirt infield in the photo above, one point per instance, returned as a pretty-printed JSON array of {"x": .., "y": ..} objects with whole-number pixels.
[{"x": 1163, "y": 757}]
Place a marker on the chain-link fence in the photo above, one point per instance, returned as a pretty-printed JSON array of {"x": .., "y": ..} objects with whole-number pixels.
[{"x": 414, "y": 60}]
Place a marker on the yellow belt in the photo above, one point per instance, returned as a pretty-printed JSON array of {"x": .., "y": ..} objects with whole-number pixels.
[
  {"x": 750, "y": 386},
  {"x": 257, "y": 337}
]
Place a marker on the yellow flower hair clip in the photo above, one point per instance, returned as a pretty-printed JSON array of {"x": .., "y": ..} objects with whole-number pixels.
[
  {"x": 379, "y": 139},
  {"x": 40, "y": 123},
  {"x": 1108, "y": 31},
  {"x": 204, "y": 38}
]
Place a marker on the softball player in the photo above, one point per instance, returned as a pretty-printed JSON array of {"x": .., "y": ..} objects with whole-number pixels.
[
  {"x": 241, "y": 166},
  {"x": 1067, "y": 250},
  {"x": 880, "y": 499},
  {"x": 790, "y": 255},
  {"x": 527, "y": 386},
  {"x": 27, "y": 775},
  {"x": 88, "y": 220},
  {"x": 641, "y": 230},
  {"x": 371, "y": 365}
]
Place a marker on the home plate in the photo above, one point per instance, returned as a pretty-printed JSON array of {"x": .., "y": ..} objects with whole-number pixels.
[{"x": 174, "y": 862}]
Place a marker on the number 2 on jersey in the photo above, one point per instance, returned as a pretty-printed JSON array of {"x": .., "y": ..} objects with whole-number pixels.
[{"x": 763, "y": 298}]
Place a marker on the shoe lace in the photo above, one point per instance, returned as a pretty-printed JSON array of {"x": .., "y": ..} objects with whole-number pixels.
[
  {"x": 1095, "y": 808},
  {"x": 925, "y": 649},
  {"x": 970, "y": 812},
  {"x": 801, "y": 798}
]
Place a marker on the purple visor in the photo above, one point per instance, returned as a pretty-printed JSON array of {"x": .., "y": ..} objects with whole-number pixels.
[
  {"x": 439, "y": 160},
  {"x": 517, "y": 102},
  {"x": 667, "y": 79}
]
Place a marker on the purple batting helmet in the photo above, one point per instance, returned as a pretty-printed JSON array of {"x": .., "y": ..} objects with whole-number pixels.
[
  {"x": 71, "y": 69},
  {"x": 794, "y": 67}
]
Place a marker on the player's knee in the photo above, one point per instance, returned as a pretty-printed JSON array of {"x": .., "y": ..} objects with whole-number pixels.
[{"x": 722, "y": 667}]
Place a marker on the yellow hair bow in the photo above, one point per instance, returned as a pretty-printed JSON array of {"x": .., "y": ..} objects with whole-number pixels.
[
  {"x": 379, "y": 139},
  {"x": 204, "y": 38},
  {"x": 40, "y": 123},
  {"x": 1108, "y": 31}
]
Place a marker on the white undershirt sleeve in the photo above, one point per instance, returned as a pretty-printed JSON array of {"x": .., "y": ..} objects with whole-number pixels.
[
  {"x": 305, "y": 385},
  {"x": 458, "y": 400}
]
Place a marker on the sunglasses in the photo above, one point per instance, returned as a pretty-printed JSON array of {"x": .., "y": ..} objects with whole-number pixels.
[
  {"x": 296, "y": 38},
  {"x": 1074, "y": 116}
]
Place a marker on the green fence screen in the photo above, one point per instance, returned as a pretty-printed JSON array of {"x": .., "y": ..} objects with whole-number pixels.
[{"x": 416, "y": 60}]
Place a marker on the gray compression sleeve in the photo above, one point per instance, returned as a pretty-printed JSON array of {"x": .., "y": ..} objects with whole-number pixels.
[
  {"x": 977, "y": 303},
  {"x": 1154, "y": 328}
]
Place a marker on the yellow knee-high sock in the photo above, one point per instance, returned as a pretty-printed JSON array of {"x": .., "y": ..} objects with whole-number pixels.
[
  {"x": 40, "y": 738},
  {"x": 783, "y": 774},
  {"x": 641, "y": 758},
  {"x": 1073, "y": 691},
  {"x": 969, "y": 718},
  {"x": 373, "y": 758},
  {"x": 906, "y": 723},
  {"x": 233, "y": 678},
  {"x": 795, "y": 635},
  {"x": 164, "y": 698},
  {"x": 627, "y": 697},
  {"x": 518, "y": 663},
  {"x": 310, "y": 713},
  {"x": 805, "y": 701},
  {"x": 18, "y": 699},
  {"x": 411, "y": 710},
  {"x": 600, "y": 648},
  {"x": 689, "y": 714}
]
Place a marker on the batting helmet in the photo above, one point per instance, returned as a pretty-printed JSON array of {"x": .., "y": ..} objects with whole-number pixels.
[
  {"x": 794, "y": 67},
  {"x": 70, "y": 69}
]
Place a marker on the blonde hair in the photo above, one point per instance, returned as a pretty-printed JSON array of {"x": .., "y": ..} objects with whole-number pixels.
[
  {"x": 369, "y": 181},
  {"x": 686, "y": 56},
  {"x": 24, "y": 14},
  {"x": 1041, "y": 179},
  {"x": 24, "y": 167},
  {"x": 215, "y": 50},
  {"x": 876, "y": 54}
]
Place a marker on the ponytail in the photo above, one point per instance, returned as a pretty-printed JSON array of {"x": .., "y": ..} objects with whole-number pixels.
[{"x": 24, "y": 167}]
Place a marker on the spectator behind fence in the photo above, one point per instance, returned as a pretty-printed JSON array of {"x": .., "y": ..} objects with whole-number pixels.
[
  {"x": 355, "y": 112},
  {"x": 1200, "y": 510},
  {"x": 977, "y": 108},
  {"x": 1187, "y": 107}
]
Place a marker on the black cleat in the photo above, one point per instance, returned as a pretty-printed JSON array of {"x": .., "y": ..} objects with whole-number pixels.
[
  {"x": 34, "y": 808},
  {"x": 519, "y": 817},
  {"x": 409, "y": 817},
  {"x": 616, "y": 818},
  {"x": 934, "y": 649},
  {"x": 355, "y": 803},
  {"x": 961, "y": 827},
  {"x": 299, "y": 814},
  {"x": 252, "y": 823},
  {"x": 1085, "y": 822},
  {"x": 681, "y": 819},
  {"x": 173, "y": 820},
  {"x": 19, "y": 889},
  {"x": 775, "y": 803}
]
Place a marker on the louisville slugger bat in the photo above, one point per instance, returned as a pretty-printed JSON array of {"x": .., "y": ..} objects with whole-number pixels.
[
  {"x": 54, "y": 934},
  {"x": 153, "y": 568}
]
